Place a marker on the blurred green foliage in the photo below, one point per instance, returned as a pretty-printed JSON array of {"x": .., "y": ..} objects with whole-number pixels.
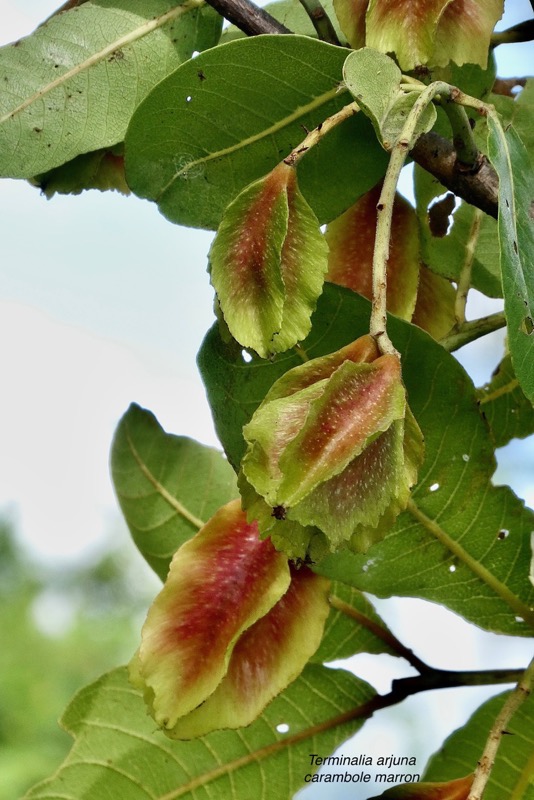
[{"x": 61, "y": 627}]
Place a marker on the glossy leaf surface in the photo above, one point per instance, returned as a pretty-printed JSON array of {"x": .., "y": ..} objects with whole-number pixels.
[
  {"x": 72, "y": 86},
  {"x": 488, "y": 582},
  {"x": 268, "y": 90},
  {"x": 132, "y": 760},
  {"x": 167, "y": 485}
]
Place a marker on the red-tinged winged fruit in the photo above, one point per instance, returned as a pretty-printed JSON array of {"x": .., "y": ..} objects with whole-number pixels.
[
  {"x": 450, "y": 790},
  {"x": 351, "y": 240},
  {"x": 422, "y": 32},
  {"x": 267, "y": 264},
  {"x": 232, "y": 627},
  {"x": 434, "y": 309},
  {"x": 334, "y": 448},
  {"x": 464, "y": 32}
]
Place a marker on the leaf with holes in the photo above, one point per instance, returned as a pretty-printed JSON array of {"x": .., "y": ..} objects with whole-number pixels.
[
  {"x": 118, "y": 753},
  {"x": 513, "y": 766},
  {"x": 508, "y": 412},
  {"x": 167, "y": 486},
  {"x": 450, "y": 547},
  {"x": 516, "y": 237},
  {"x": 229, "y": 116},
  {"x": 72, "y": 86}
]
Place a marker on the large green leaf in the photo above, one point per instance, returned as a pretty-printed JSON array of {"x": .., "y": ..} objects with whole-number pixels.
[
  {"x": 167, "y": 485},
  {"x": 119, "y": 754},
  {"x": 508, "y": 412},
  {"x": 227, "y": 117},
  {"x": 512, "y": 776},
  {"x": 516, "y": 236},
  {"x": 451, "y": 549},
  {"x": 72, "y": 86}
]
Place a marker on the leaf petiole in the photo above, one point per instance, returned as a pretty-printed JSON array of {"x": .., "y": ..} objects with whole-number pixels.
[{"x": 315, "y": 135}]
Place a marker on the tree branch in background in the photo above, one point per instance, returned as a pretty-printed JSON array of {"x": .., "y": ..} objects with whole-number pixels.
[
  {"x": 248, "y": 17},
  {"x": 320, "y": 21},
  {"x": 523, "y": 32},
  {"x": 480, "y": 186},
  {"x": 470, "y": 331}
]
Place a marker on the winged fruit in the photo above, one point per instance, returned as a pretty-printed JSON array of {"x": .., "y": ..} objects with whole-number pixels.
[
  {"x": 449, "y": 790},
  {"x": 422, "y": 32},
  {"x": 333, "y": 451},
  {"x": 234, "y": 624},
  {"x": 267, "y": 264}
]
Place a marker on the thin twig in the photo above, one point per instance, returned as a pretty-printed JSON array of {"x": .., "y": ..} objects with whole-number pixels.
[
  {"x": 479, "y": 187},
  {"x": 514, "y": 701},
  {"x": 464, "y": 282},
  {"x": 463, "y": 139},
  {"x": 384, "y": 208},
  {"x": 248, "y": 17},
  {"x": 315, "y": 136},
  {"x": 320, "y": 21},
  {"x": 523, "y": 32},
  {"x": 475, "y": 329},
  {"x": 381, "y": 633},
  {"x": 508, "y": 388}
]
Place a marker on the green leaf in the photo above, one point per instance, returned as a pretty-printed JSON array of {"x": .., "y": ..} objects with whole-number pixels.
[
  {"x": 167, "y": 486},
  {"x": 102, "y": 169},
  {"x": 374, "y": 81},
  {"x": 118, "y": 753},
  {"x": 508, "y": 412},
  {"x": 512, "y": 775},
  {"x": 516, "y": 236},
  {"x": 356, "y": 629},
  {"x": 517, "y": 111},
  {"x": 452, "y": 551},
  {"x": 229, "y": 116},
  {"x": 446, "y": 255},
  {"x": 72, "y": 86}
]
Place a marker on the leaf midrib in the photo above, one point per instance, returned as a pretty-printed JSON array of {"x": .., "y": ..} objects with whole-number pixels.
[
  {"x": 96, "y": 58},
  {"x": 301, "y": 111},
  {"x": 160, "y": 488},
  {"x": 478, "y": 569}
]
